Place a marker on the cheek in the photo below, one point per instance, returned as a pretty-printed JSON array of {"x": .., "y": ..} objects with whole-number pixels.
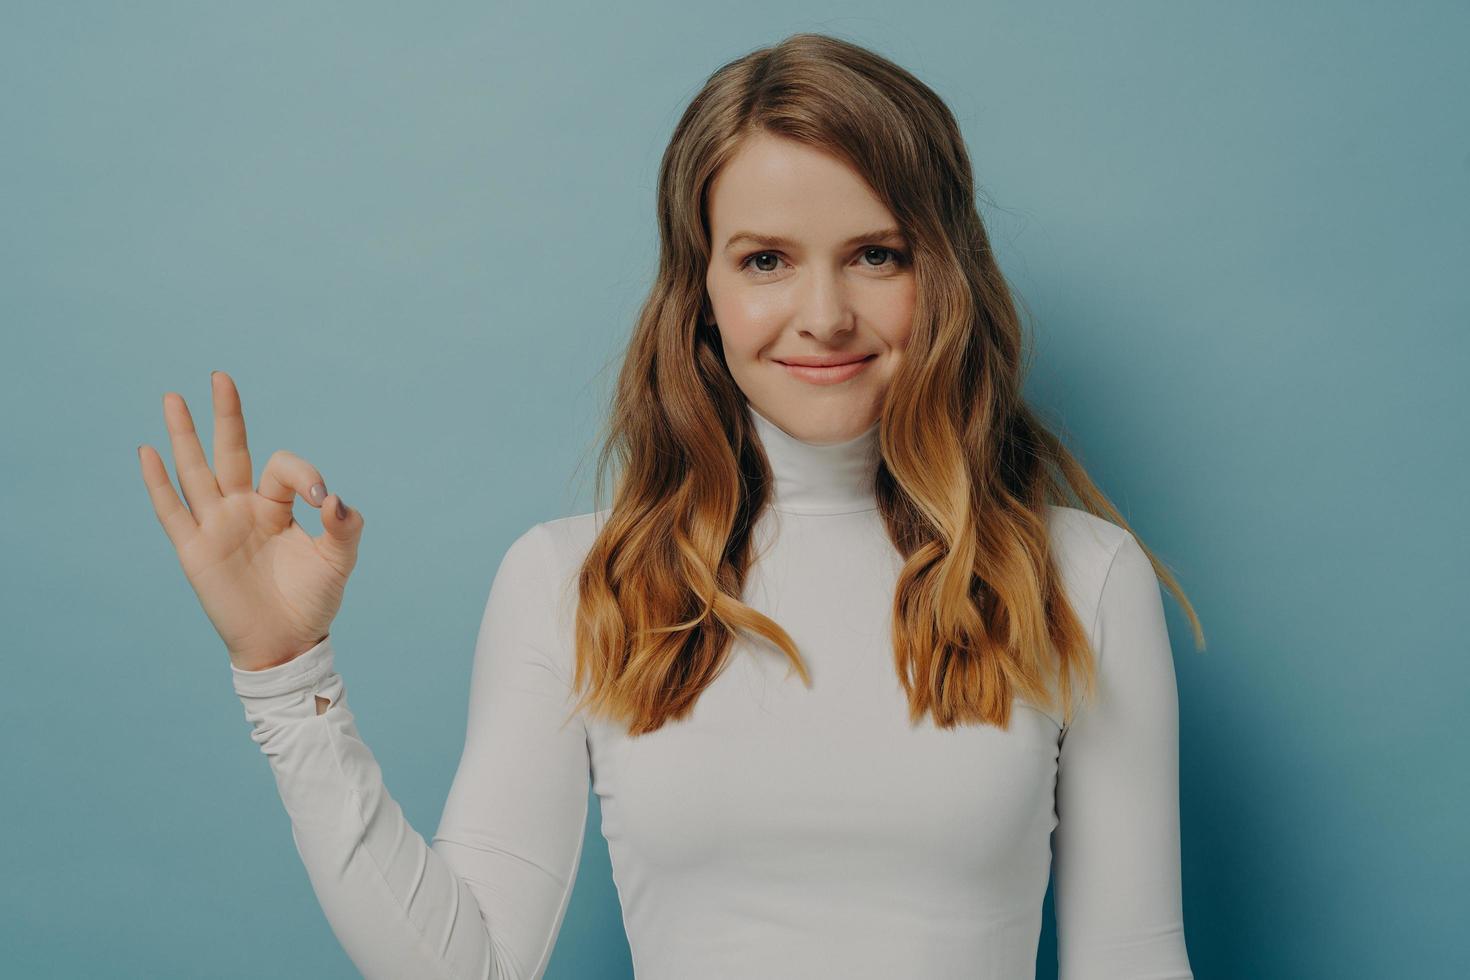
[
  {"x": 742, "y": 337},
  {"x": 741, "y": 340},
  {"x": 897, "y": 319},
  {"x": 747, "y": 324},
  {"x": 757, "y": 309}
]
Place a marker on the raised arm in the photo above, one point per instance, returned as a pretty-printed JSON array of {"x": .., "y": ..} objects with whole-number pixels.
[
  {"x": 486, "y": 900},
  {"x": 1115, "y": 849}
]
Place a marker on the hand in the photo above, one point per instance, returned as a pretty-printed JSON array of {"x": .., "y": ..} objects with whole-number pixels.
[{"x": 270, "y": 589}]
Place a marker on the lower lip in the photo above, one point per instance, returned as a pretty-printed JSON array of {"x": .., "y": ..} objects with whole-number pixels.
[{"x": 827, "y": 375}]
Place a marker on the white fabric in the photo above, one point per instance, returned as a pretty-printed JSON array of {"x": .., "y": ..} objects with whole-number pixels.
[{"x": 778, "y": 831}]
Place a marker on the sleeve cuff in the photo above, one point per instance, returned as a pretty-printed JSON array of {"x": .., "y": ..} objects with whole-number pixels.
[{"x": 299, "y": 674}]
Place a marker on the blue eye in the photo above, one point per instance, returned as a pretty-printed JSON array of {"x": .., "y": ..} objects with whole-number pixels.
[
  {"x": 756, "y": 256},
  {"x": 898, "y": 256},
  {"x": 896, "y": 259}
]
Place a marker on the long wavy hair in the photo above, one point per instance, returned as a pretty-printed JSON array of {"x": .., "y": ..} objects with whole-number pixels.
[{"x": 966, "y": 471}]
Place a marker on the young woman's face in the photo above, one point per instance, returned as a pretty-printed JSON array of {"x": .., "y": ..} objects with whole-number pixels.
[{"x": 817, "y": 281}]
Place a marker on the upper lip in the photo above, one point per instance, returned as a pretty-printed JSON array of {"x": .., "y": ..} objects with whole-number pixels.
[{"x": 824, "y": 360}]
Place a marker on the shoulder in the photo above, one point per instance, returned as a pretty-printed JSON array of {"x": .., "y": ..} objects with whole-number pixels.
[
  {"x": 550, "y": 554},
  {"x": 1084, "y": 548},
  {"x": 1083, "y": 539},
  {"x": 554, "y": 546},
  {"x": 568, "y": 539}
]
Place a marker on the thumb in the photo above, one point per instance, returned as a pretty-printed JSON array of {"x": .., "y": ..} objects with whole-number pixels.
[{"x": 342, "y": 530}]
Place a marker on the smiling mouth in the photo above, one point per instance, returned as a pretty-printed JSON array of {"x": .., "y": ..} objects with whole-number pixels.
[
  {"x": 826, "y": 374},
  {"x": 827, "y": 364}
]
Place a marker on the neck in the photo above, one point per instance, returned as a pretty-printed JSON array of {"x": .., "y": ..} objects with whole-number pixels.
[{"x": 819, "y": 478}]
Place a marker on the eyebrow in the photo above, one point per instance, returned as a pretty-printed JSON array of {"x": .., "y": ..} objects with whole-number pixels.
[{"x": 779, "y": 241}]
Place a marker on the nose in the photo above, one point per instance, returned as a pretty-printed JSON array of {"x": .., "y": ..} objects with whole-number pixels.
[{"x": 824, "y": 313}]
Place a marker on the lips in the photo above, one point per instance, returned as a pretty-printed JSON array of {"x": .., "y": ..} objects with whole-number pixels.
[
  {"x": 826, "y": 370},
  {"x": 830, "y": 360}
]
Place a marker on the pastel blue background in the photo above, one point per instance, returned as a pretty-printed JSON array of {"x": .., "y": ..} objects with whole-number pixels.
[{"x": 417, "y": 235}]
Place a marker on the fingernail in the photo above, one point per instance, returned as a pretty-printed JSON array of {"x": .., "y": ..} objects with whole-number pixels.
[
  {"x": 318, "y": 493},
  {"x": 341, "y": 510}
]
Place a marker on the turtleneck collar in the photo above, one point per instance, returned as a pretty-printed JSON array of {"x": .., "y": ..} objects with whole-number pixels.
[{"x": 816, "y": 478}]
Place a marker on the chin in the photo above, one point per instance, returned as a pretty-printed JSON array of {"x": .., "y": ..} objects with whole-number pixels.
[{"x": 828, "y": 422}]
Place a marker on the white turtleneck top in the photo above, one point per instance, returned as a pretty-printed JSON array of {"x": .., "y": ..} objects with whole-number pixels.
[{"x": 780, "y": 831}]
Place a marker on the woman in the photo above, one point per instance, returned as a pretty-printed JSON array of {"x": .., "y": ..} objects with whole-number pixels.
[{"x": 826, "y": 469}]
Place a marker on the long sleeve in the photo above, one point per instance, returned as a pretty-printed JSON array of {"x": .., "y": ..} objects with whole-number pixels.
[
  {"x": 1117, "y": 889},
  {"x": 486, "y": 900}
]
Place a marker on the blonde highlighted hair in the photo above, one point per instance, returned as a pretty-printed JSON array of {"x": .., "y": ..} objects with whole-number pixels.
[{"x": 966, "y": 472}]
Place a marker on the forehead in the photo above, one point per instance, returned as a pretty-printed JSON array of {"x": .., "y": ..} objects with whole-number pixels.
[{"x": 780, "y": 187}]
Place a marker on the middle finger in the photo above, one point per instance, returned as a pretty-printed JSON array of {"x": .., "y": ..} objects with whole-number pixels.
[
  {"x": 231, "y": 452},
  {"x": 195, "y": 477}
]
